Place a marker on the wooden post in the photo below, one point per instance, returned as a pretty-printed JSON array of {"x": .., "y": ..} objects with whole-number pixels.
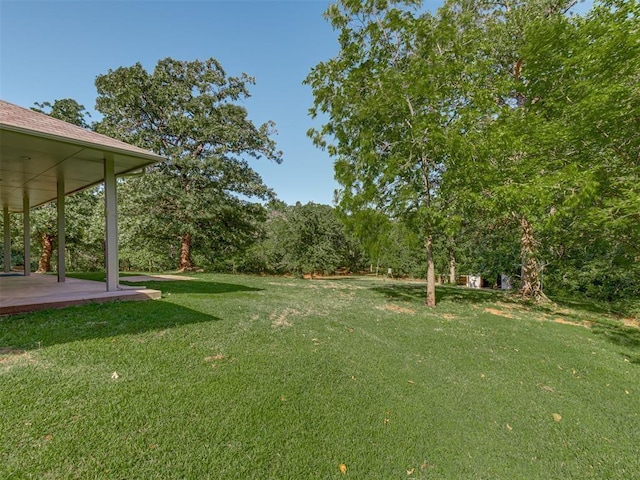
[
  {"x": 62, "y": 270},
  {"x": 26, "y": 217},
  {"x": 7, "y": 238},
  {"x": 111, "y": 225}
]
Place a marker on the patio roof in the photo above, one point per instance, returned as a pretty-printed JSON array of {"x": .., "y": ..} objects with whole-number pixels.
[
  {"x": 44, "y": 159},
  {"x": 36, "y": 150}
]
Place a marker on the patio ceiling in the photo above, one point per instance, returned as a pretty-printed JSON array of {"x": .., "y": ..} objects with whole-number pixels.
[{"x": 36, "y": 150}]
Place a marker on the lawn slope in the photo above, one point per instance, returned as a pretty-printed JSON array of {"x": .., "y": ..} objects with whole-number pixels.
[{"x": 249, "y": 377}]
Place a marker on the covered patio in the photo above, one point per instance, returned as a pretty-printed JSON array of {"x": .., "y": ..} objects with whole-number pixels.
[
  {"x": 42, "y": 160},
  {"x": 22, "y": 293}
]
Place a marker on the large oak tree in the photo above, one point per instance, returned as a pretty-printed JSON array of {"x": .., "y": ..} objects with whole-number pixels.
[{"x": 191, "y": 113}]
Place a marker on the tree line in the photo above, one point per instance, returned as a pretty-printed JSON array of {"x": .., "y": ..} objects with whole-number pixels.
[
  {"x": 487, "y": 137},
  {"x": 493, "y": 119}
]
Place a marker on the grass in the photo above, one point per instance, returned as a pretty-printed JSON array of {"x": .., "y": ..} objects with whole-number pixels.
[{"x": 231, "y": 377}]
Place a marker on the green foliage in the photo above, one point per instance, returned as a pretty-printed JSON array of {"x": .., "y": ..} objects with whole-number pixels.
[
  {"x": 66, "y": 109},
  {"x": 303, "y": 239},
  {"x": 397, "y": 107},
  {"x": 84, "y": 246},
  {"x": 584, "y": 75},
  {"x": 204, "y": 194},
  {"x": 459, "y": 130},
  {"x": 508, "y": 130}
]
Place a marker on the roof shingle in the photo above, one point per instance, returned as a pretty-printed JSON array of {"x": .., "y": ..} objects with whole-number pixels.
[{"x": 19, "y": 118}]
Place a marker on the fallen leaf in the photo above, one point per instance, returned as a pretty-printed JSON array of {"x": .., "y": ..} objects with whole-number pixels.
[
  {"x": 410, "y": 382},
  {"x": 482, "y": 376},
  {"x": 627, "y": 392},
  {"x": 410, "y": 472},
  {"x": 48, "y": 438},
  {"x": 343, "y": 468},
  {"x": 557, "y": 417},
  {"x": 509, "y": 427},
  {"x": 115, "y": 375}
]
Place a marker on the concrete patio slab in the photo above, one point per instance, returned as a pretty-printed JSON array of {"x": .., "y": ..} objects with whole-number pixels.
[{"x": 36, "y": 292}]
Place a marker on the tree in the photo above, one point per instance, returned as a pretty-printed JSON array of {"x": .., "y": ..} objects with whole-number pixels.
[
  {"x": 203, "y": 194},
  {"x": 584, "y": 74},
  {"x": 398, "y": 97},
  {"x": 66, "y": 109},
  {"x": 564, "y": 143},
  {"x": 44, "y": 218},
  {"x": 315, "y": 240},
  {"x": 303, "y": 239},
  {"x": 372, "y": 229}
]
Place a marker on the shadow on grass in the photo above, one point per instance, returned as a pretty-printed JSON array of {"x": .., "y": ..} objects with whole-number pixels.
[
  {"x": 615, "y": 332},
  {"x": 193, "y": 286},
  {"x": 583, "y": 305},
  {"x": 622, "y": 335},
  {"x": 417, "y": 293},
  {"x": 93, "y": 321},
  {"x": 178, "y": 286}
]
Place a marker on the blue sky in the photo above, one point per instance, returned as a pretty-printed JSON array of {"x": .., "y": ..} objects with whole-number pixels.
[{"x": 55, "y": 49}]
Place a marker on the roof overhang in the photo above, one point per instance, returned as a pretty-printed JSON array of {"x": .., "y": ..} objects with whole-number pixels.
[{"x": 37, "y": 150}]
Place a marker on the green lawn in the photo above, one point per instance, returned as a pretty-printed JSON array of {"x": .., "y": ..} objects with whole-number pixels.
[{"x": 237, "y": 377}]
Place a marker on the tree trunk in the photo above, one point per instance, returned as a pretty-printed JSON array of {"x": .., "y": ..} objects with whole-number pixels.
[
  {"x": 452, "y": 265},
  {"x": 530, "y": 285},
  {"x": 431, "y": 274},
  {"x": 185, "y": 263},
  {"x": 44, "y": 263}
]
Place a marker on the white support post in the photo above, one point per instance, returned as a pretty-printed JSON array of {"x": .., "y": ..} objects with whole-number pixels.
[
  {"x": 26, "y": 216},
  {"x": 111, "y": 225},
  {"x": 7, "y": 239},
  {"x": 61, "y": 232}
]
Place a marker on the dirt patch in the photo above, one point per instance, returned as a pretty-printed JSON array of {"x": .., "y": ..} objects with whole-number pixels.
[
  {"x": 448, "y": 316},
  {"x": 281, "y": 317},
  {"x": 575, "y": 324},
  {"x": 631, "y": 322},
  {"x": 283, "y": 284},
  {"x": 215, "y": 357},
  {"x": 396, "y": 308},
  {"x": 318, "y": 283},
  {"x": 500, "y": 313},
  {"x": 10, "y": 357},
  {"x": 546, "y": 388},
  {"x": 513, "y": 306}
]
